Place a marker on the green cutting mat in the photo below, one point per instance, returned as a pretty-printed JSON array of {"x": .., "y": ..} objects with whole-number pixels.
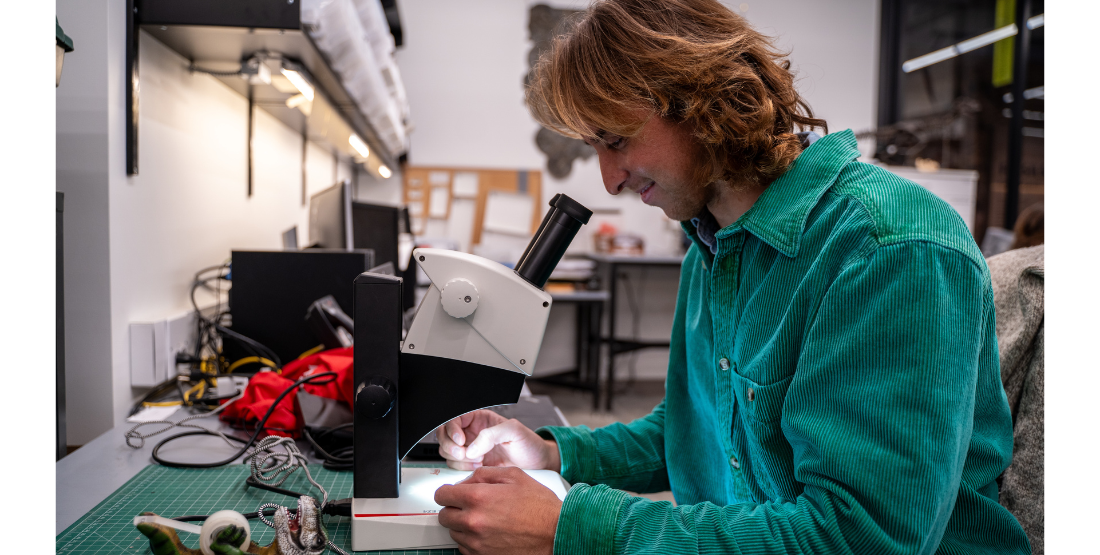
[{"x": 171, "y": 492}]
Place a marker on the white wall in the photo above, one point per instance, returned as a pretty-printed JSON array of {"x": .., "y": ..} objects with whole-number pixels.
[
  {"x": 133, "y": 243},
  {"x": 464, "y": 63},
  {"x": 82, "y": 156}
]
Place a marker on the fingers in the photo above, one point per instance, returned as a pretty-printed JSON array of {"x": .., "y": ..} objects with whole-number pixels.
[
  {"x": 510, "y": 430},
  {"x": 449, "y": 496},
  {"x": 495, "y": 475},
  {"x": 452, "y": 432},
  {"x": 464, "y": 465}
]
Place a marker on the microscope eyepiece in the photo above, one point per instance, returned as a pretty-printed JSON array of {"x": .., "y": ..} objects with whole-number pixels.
[{"x": 555, "y": 233}]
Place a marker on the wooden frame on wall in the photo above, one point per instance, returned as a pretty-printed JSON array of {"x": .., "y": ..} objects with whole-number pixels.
[{"x": 419, "y": 182}]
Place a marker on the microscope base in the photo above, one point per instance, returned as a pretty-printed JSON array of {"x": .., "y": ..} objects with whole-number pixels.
[{"x": 411, "y": 521}]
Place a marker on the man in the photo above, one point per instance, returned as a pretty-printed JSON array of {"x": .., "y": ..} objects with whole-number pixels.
[{"x": 833, "y": 382}]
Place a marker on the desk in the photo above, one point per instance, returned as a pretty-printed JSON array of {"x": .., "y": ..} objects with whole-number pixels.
[
  {"x": 91, "y": 473},
  {"x": 88, "y": 475},
  {"x": 619, "y": 346},
  {"x": 585, "y": 373}
]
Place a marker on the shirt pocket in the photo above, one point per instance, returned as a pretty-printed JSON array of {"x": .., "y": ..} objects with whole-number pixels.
[
  {"x": 769, "y": 455},
  {"x": 762, "y": 403}
]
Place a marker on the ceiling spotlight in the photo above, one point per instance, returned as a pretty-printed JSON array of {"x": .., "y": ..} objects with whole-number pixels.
[
  {"x": 359, "y": 145},
  {"x": 299, "y": 82},
  {"x": 384, "y": 171}
]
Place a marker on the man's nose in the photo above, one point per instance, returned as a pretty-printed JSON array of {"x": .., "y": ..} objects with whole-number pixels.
[{"x": 614, "y": 175}]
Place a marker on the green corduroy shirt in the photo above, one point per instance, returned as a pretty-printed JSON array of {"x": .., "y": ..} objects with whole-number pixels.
[{"x": 833, "y": 386}]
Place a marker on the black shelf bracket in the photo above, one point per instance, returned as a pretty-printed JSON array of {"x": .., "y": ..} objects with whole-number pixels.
[{"x": 132, "y": 23}]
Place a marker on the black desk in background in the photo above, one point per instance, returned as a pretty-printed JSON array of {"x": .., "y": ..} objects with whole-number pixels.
[
  {"x": 585, "y": 373},
  {"x": 614, "y": 263}
]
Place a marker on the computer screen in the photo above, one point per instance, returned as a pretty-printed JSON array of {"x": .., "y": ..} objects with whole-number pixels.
[
  {"x": 375, "y": 227},
  {"x": 329, "y": 214},
  {"x": 272, "y": 291}
]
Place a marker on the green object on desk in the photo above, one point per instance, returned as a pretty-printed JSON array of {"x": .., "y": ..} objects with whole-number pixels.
[{"x": 171, "y": 492}]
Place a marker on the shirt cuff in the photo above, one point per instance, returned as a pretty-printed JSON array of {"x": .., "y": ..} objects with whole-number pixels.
[
  {"x": 575, "y": 444},
  {"x": 588, "y": 521}
]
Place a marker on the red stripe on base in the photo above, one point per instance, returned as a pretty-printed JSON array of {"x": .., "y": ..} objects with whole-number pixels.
[{"x": 395, "y": 514}]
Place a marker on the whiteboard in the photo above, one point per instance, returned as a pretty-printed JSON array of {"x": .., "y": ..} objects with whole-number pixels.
[{"x": 509, "y": 213}]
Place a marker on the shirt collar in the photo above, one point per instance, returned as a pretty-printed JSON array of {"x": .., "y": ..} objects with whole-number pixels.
[{"x": 779, "y": 216}]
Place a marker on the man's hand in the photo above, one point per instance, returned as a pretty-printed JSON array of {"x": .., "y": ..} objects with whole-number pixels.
[
  {"x": 485, "y": 438},
  {"x": 500, "y": 511}
]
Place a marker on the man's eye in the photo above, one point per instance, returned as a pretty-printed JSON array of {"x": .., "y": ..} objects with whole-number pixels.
[{"x": 616, "y": 142}]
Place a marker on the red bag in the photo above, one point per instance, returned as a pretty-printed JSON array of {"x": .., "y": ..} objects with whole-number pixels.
[
  {"x": 334, "y": 360},
  {"x": 264, "y": 387}
]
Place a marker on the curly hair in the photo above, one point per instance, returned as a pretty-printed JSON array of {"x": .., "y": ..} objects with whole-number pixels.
[{"x": 691, "y": 61}]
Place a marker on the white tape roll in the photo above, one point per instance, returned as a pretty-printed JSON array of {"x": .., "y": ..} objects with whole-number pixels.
[{"x": 219, "y": 521}]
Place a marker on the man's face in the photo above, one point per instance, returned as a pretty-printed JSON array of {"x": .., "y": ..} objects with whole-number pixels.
[{"x": 658, "y": 163}]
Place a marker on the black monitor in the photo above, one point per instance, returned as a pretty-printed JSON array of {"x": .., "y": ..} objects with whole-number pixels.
[
  {"x": 272, "y": 291},
  {"x": 329, "y": 217},
  {"x": 336, "y": 221},
  {"x": 376, "y": 227}
]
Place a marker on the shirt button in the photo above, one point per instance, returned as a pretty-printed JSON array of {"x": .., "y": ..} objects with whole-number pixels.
[
  {"x": 751, "y": 395},
  {"x": 724, "y": 363},
  {"x": 734, "y": 463}
]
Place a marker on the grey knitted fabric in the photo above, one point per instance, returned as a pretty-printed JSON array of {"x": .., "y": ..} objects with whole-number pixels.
[{"x": 1018, "y": 294}]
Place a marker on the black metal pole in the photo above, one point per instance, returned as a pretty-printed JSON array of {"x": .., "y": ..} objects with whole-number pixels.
[
  {"x": 889, "y": 63},
  {"x": 305, "y": 153},
  {"x": 1016, "y": 127},
  {"x": 132, "y": 33},
  {"x": 62, "y": 437},
  {"x": 251, "y": 111}
]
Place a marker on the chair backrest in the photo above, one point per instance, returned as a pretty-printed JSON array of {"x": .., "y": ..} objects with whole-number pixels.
[{"x": 1017, "y": 277}]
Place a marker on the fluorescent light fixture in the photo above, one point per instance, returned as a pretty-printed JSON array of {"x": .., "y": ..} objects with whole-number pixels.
[
  {"x": 300, "y": 102},
  {"x": 296, "y": 100},
  {"x": 359, "y": 145},
  {"x": 986, "y": 39},
  {"x": 1035, "y": 22},
  {"x": 929, "y": 59},
  {"x": 299, "y": 82},
  {"x": 384, "y": 171}
]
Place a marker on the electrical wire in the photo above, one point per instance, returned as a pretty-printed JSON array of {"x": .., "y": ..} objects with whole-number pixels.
[
  {"x": 251, "y": 360},
  {"x": 247, "y": 443},
  {"x": 312, "y": 351},
  {"x": 339, "y": 459},
  {"x": 259, "y": 349},
  {"x": 133, "y": 434},
  {"x": 215, "y": 73}
]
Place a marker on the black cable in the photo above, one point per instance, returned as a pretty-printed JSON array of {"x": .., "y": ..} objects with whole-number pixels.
[
  {"x": 340, "y": 507},
  {"x": 249, "y": 442},
  {"x": 158, "y": 390},
  {"x": 340, "y": 459},
  {"x": 252, "y": 481},
  {"x": 215, "y": 73},
  {"x": 203, "y": 337},
  {"x": 267, "y": 352}
]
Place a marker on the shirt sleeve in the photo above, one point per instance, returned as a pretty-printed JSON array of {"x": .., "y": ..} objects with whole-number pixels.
[
  {"x": 879, "y": 416},
  {"x": 625, "y": 456}
]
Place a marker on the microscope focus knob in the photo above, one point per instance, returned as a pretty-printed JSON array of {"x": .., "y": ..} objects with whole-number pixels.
[
  {"x": 375, "y": 398},
  {"x": 459, "y": 297}
]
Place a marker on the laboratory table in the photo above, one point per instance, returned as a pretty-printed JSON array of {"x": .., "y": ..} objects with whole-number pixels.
[
  {"x": 585, "y": 373},
  {"x": 90, "y": 474},
  {"x": 616, "y": 346}
]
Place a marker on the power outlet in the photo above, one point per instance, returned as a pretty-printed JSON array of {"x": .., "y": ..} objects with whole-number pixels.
[{"x": 154, "y": 346}]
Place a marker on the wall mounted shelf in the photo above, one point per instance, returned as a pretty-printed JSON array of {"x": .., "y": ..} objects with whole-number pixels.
[{"x": 217, "y": 36}]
